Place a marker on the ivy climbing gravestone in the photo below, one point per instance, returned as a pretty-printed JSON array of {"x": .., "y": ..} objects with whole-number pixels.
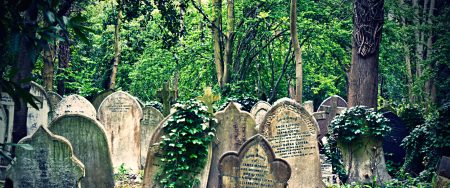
[
  {"x": 38, "y": 117},
  {"x": 292, "y": 133},
  {"x": 152, "y": 117},
  {"x": 258, "y": 111},
  {"x": 100, "y": 97},
  {"x": 51, "y": 163},
  {"x": 89, "y": 143},
  {"x": 254, "y": 165},
  {"x": 121, "y": 114},
  {"x": 330, "y": 108},
  {"x": 75, "y": 104},
  {"x": 233, "y": 129}
]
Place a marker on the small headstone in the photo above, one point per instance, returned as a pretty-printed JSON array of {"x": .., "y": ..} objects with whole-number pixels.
[
  {"x": 309, "y": 106},
  {"x": 292, "y": 133},
  {"x": 392, "y": 141},
  {"x": 38, "y": 117},
  {"x": 121, "y": 114},
  {"x": 233, "y": 129},
  {"x": 152, "y": 117},
  {"x": 330, "y": 108},
  {"x": 75, "y": 104},
  {"x": 50, "y": 163},
  {"x": 100, "y": 97},
  {"x": 89, "y": 143},
  {"x": 258, "y": 111},
  {"x": 166, "y": 95},
  {"x": 254, "y": 165},
  {"x": 54, "y": 98}
]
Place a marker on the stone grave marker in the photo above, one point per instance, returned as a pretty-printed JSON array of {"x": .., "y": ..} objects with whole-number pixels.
[
  {"x": 330, "y": 108},
  {"x": 208, "y": 98},
  {"x": 392, "y": 141},
  {"x": 6, "y": 128},
  {"x": 309, "y": 106},
  {"x": 234, "y": 128},
  {"x": 54, "y": 98},
  {"x": 121, "y": 114},
  {"x": 292, "y": 133},
  {"x": 90, "y": 145},
  {"x": 258, "y": 111},
  {"x": 51, "y": 163},
  {"x": 75, "y": 104},
  {"x": 443, "y": 173},
  {"x": 154, "y": 159},
  {"x": 166, "y": 95},
  {"x": 254, "y": 165},
  {"x": 38, "y": 117},
  {"x": 152, "y": 117},
  {"x": 100, "y": 97}
]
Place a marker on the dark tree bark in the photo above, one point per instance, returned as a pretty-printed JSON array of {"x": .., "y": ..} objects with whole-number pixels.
[
  {"x": 48, "y": 68},
  {"x": 63, "y": 63},
  {"x": 297, "y": 53},
  {"x": 117, "y": 50}
]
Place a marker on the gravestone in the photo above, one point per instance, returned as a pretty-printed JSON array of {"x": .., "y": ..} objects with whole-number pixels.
[
  {"x": 443, "y": 173},
  {"x": 208, "y": 98},
  {"x": 54, "y": 98},
  {"x": 292, "y": 133},
  {"x": 51, "y": 163},
  {"x": 153, "y": 160},
  {"x": 6, "y": 128},
  {"x": 392, "y": 141},
  {"x": 258, "y": 111},
  {"x": 233, "y": 129},
  {"x": 254, "y": 165},
  {"x": 309, "y": 106},
  {"x": 166, "y": 95},
  {"x": 89, "y": 143},
  {"x": 100, "y": 97},
  {"x": 75, "y": 104},
  {"x": 330, "y": 108},
  {"x": 121, "y": 114},
  {"x": 38, "y": 117},
  {"x": 152, "y": 117}
]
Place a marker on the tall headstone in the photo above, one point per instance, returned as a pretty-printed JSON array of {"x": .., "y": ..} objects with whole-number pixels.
[
  {"x": 100, "y": 97},
  {"x": 152, "y": 117},
  {"x": 153, "y": 161},
  {"x": 392, "y": 141},
  {"x": 292, "y": 133},
  {"x": 89, "y": 143},
  {"x": 51, "y": 163},
  {"x": 75, "y": 104},
  {"x": 6, "y": 128},
  {"x": 54, "y": 98},
  {"x": 121, "y": 114},
  {"x": 233, "y": 129},
  {"x": 258, "y": 111},
  {"x": 254, "y": 165},
  {"x": 38, "y": 117},
  {"x": 330, "y": 108}
]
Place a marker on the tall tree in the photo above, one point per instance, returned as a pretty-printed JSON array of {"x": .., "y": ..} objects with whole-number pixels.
[
  {"x": 217, "y": 21},
  {"x": 112, "y": 81},
  {"x": 297, "y": 53}
]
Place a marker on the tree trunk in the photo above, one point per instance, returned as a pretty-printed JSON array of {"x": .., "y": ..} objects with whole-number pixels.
[
  {"x": 48, "y": 68},
  {"x": 112, "y": 82},
  {"x": 217, "y": 9},
  {"x": 429, "y": 84},
  {"x": 406, "y": 50},
  {"x": 297, "y": 53},
  {"x": 229, "y": 42}
]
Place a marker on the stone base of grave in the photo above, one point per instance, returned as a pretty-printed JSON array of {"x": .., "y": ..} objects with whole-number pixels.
[{"x": 442, "y": 182}]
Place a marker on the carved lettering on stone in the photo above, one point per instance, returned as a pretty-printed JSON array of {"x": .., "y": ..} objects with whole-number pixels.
[{"x": 75, "y": 104}]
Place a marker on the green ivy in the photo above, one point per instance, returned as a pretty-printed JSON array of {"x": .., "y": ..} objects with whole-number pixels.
[{"x": 188, "y": 133}]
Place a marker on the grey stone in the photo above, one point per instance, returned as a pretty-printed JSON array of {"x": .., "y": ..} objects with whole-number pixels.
[
  {"x": 75, "y": 104},
  {"x": 152, "y": 117}
]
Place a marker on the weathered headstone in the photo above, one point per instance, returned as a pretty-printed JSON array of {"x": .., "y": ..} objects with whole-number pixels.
[
  {"x": 292, "y": 133},
  {"x": 443, "y": 173},
  {"x": 208, "y": 98},
  {"x": 51, "y": 163},
  {"x": 258, "y": 111},
  {"x": 330, "y": 108},
  {"x": 38, "y": 117},
  {"x": 100, "y": 97},
  {"x": 6, "y": 128},
  {"x": 153, "y": 160},
  {"x": 254, "y": 165},
  {"x": 233, "y": 129},
  {"x": 392, "y": 141},
  {"x": 152, "y": 117},
  {"x": 309, "y": 106},
  {"x": 54, "y": 98},
  {"x": 166, "y": 95},
  {"x": 90, "y": 145},
  {"x": 75, "y": 104},
  {"x": 121, "y": 114}
]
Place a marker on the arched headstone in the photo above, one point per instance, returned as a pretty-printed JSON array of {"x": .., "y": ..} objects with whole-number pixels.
[
  {"x": 89, "y": 143},
  {"x": 234, "y": 128},
  {"x": 258, "y": 111},
  {"x": 292, "y": 133},
  {"x": 330, "y": 108},
  {"x": 38, "y": 117},
  {"x": 75, "y": 104},
  {"x": 100, "y": 97},
  {"x": 51, "y": 163},
  {"x": 121, "y": 114},
  {"x": 149, "y": 123},
  {"x": 254, "y": 165}
]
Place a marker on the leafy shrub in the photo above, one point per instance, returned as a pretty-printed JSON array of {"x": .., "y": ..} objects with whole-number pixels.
[
  {"x": 246, "y": 101},
  {"x": 412, "y": 116}
]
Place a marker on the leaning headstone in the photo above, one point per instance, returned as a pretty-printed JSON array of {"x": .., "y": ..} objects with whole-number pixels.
[
  {"x": 330, "y": 108},
  {"x": 152, "y": 117},
  {"x": 392, "y": 141},
  {"x": 50, "y": 163},
  {"x": 38, "y": 117},
  {"x": 75, "y": 104},
  {"x": 54, "y": 98},
  {"x": 89, "y": 143},
  {"x": 234, "y": 128},
  {"x": 443, "y": 173},
  {"x": 121, "y": 114},
  {"x": 153, "y": 161},
  {"x": 309, "y": 106},
  {"x": 254, "y": 165},
  {"x": 292, "y": 133},
  {"x": 100, "y": 97},
  {"x": 258, "y": 111}
]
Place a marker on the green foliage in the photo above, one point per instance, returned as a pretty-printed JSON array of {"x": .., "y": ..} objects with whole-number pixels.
[
  {"x": 246, "y": 101},
  {"x": 189, "y": 132},
  {"x": 411, "y": 115},
  {"x": 335, "y": 158}
]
